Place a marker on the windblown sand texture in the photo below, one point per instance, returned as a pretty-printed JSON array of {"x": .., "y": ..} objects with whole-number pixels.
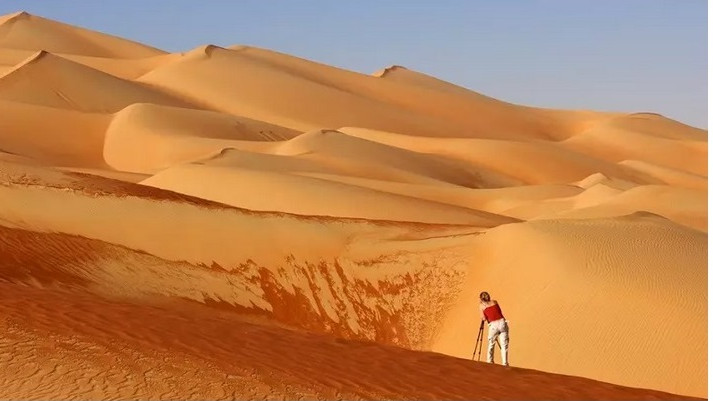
[{"x": 240, "y": 223}]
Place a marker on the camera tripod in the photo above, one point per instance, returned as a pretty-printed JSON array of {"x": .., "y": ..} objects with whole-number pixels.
[{"x": 479, "y": 342}]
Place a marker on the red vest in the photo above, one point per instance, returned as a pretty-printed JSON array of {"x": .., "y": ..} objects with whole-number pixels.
[{"x": 493, "y": 313}]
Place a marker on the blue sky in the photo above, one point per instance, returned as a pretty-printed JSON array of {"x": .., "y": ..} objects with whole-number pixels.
[{"x": 617, "y": 55}]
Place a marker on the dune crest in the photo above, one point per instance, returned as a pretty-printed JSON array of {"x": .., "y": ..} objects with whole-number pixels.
[
  {"x": 23, "y": 30},
  {"x": 33, "y": 58},
  {"x": 250, "y": 224},
  {"x": 9, "y": 18},
  {"x": 45, "y": 79},
  {"x": 383, "y": 72}
]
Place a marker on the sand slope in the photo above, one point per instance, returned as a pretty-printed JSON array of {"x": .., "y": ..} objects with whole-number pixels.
[
  {"x": 49, "y": 80},
  {"x": 120, "y": 67},
  {"x": 251, "y": 224},
  {"x": 60, "y": 137},
  {"x": 22, "y": 30},
  {"x": 616, "y": 144},
  {"x": 233, "y": 358},
  {"x": 526, "y": 162},
  {"x": 146, "y": 138},
  {"x": 336, "y": 272},
  {"x": 243, "y": 361},
  {"x": 603, "y": 288},
  {"x": 296, "y": 195}
]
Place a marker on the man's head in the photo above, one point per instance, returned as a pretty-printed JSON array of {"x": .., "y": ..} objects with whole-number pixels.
[{"x": 484, "y": 297}]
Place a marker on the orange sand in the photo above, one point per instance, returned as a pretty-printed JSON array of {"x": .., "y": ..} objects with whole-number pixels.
[{"x": 240, "y": 223}]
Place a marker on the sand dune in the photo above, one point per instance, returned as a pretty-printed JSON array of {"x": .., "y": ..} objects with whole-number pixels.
[
  {"x": 656, "y": 125},
  {"x": 606, "y": 267},
  {"x": 30, "y": 32},
  {"x": 237, "y": 359},
  {"x": 296, "y": 195},
  {"x": 119, "y": 67},
  {"x": 601, "y": 179},
  {"x": 57, "y": 136},
  {"x": 346, "y": 296},
  {"x": 604, "y": 197},
  {"x": 145, "y": 138},
  {"x": 251, "y": 224},
  {"x": 48, "y": 80},
  {"x": 439, "y": 99},
  {"x": 668, "y": 175},
  {"x": 352, "y": 99},
  {"x": 335, "y": 147},
  {"x": 388, "y": 253},
  {"x": 9, "y": 58},
  {"x": 684, "y": 206},
  {"x": 614, "y": 144},
  {"x": 532, "y": 162},
  {"x": 211, "y": 75}
]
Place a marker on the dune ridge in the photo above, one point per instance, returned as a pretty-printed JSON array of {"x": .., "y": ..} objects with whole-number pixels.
[
  {"x": 245, "y": 202},
  {"x": 49, "y": 80},
  {"x": 22, "y": 30}
]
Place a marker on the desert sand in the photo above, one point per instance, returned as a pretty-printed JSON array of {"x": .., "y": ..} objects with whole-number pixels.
[{"x": 240, "y": 223}]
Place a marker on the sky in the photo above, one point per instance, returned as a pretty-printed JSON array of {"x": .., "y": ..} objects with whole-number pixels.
[{"x": 607, "y": 55}]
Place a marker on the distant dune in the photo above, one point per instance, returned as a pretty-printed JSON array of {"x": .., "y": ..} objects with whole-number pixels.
[
  {"x": 250, "y": 224},
  {"x": 48, "y": 80},
  {"x": 22, "y": 30}
]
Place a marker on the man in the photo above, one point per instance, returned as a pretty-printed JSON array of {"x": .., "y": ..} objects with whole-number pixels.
[{"x": 497, "y": 327}]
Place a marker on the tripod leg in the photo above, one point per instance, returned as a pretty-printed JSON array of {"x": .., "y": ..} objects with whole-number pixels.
[
  {"x": 478, "y": 340},
  {"x": 480, "y": 350}
]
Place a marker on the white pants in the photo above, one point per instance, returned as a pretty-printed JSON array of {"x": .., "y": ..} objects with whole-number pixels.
[{"x": 498, "y": 330}]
